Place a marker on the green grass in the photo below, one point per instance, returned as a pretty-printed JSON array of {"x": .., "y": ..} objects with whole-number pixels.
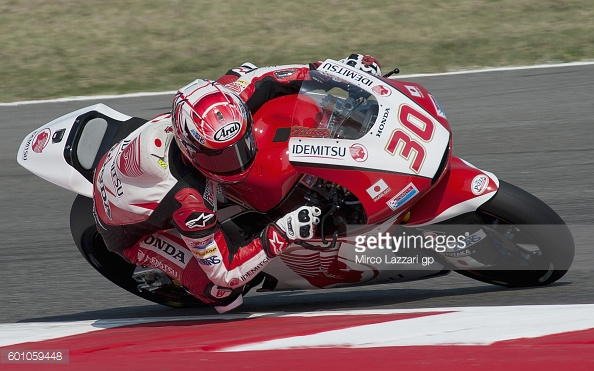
[{"x": 62, "y": 48}]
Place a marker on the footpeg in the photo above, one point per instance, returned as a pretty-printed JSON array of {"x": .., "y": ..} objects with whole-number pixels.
[{"x": 150, "y": 279}]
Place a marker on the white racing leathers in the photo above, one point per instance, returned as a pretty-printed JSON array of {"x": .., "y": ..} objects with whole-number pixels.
[{"x": 156, "y": 211}]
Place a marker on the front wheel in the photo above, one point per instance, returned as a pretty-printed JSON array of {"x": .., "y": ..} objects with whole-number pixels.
[{"x": 526, "y": 243}]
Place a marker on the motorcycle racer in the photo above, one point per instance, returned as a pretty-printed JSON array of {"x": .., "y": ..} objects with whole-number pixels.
[
  {"x": 155, "y": 196},
  {"x": 155, "y": 192}
]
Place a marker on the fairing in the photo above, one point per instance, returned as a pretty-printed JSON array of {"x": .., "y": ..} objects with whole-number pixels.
[
  {"x": 45, "y": 151},
  {"x": 353, "y": 129},
  {"x": 463, "y": 189}
]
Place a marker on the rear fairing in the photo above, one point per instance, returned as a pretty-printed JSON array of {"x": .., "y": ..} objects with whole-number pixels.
[{"x": 67, "y": 150}]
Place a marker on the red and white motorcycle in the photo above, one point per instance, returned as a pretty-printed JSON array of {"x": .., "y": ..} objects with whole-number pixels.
[{"x": 375, "y": 155}]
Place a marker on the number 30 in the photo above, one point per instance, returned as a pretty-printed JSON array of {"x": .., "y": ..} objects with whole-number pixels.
[{"x": 401, "y": 142}]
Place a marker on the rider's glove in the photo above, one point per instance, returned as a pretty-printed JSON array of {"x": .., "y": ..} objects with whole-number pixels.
[
  {"x": 296, "y": 225},
  {"x": 300, "y": 224},
  {"x": 364, "y": 63}
]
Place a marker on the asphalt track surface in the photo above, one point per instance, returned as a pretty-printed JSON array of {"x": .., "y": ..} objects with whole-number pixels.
[{"x": 531, "y": 127}]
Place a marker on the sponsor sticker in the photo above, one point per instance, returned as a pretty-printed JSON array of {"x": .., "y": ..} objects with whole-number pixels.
[
  {"x": 209, "y": 194},
  {"x": 144, "y": 258},
  {"x": 358, "y": 152},
  {"x": 378, "y": 190},
  {"x": 103, "y": 193},
  {"x": 284, "y": 74},
  {"x": 115, "y": 180},
  {"x": 438, "y": 108},
  {"x": 479, "y": 184},
  {"x": 402, "y": 197},
  {"x": 199, "y": 253},
  {"x": 382, "y": 90},
  {"x": 457, "y": 254},
  {"x": 167, "y": 269},
  {"x": 197, "y": 136},
  {"x": 212, "y": 260},
  {"x": 302, "y": 131},
  {"x": 347, "y": 73},
  {"x": 166, "y": 248},
  {"x": 41, "y": 140},
  {"x": 309, "y": 180},
  {"x": 200, "y": 221},
  {"x": 236, "y": 86},
  {"x": 255, "y": 270},
  {"x": 470, "y": 240},
  {"x": 382, "y": 123},
  {"x": 201, "y": 244},
  {"x": 220, "y": 292},
  {"x": 276, "y": 243},
  {"x": 414, "y": 91},
  {"x": 323, "y": 151},
  {"x": 227, "y": 132},
  {"x": 27, "y": 146}
]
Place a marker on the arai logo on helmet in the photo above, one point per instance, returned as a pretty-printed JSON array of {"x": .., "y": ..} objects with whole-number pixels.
[{"x": 227, "y": 132}]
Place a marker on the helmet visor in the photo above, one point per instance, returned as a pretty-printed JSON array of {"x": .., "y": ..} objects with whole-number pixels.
[{"x": 231, "y": 160}]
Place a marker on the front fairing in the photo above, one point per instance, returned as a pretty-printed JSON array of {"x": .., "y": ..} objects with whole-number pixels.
[{"x": 369, "y": 137}]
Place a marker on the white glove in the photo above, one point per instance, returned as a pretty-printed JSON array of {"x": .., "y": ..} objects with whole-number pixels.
[
  {"x": 300, "y": 224},
  {"x": 364, "y": 63}
]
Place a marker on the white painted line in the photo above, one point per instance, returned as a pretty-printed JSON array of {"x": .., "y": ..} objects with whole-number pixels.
[
  {"x": 499, "y": 69},
  {"x": 136, "y": 95},
  {"x": 86, "y": 98},
  {"x": 18, "y": 333}
]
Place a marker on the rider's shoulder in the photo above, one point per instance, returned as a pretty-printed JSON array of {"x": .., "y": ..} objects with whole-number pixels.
[{"x": 143, "y": 157}]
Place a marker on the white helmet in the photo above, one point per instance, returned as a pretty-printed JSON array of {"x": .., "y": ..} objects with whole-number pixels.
[{"x": 363, "y": 62}]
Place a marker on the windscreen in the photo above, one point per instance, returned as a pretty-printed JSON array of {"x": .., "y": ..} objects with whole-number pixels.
[{"x": 344, "y": 111}]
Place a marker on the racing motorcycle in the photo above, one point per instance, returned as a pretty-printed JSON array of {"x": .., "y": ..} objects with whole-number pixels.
[{"x": 374, "y": 154}]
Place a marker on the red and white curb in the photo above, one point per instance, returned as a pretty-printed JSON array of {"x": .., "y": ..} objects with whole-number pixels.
[
  {"x": 541, "y": 336},
  {"x": 431, "y": 326}
]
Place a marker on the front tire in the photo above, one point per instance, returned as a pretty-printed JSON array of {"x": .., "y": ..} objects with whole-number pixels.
[{"x": 543, "y": 244}]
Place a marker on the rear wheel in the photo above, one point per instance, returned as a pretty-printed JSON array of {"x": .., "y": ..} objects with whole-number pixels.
[
  {"x": 112, "y": 266},
  {"x": 526, "y": 243}
]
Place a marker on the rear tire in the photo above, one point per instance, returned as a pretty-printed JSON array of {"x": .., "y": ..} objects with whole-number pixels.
[{"x": 112, "y": 266}]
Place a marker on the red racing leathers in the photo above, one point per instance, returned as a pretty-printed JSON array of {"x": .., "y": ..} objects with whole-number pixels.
[
  {"x": 257, "y": 86},
  {"x": 155, "y": 210}
]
